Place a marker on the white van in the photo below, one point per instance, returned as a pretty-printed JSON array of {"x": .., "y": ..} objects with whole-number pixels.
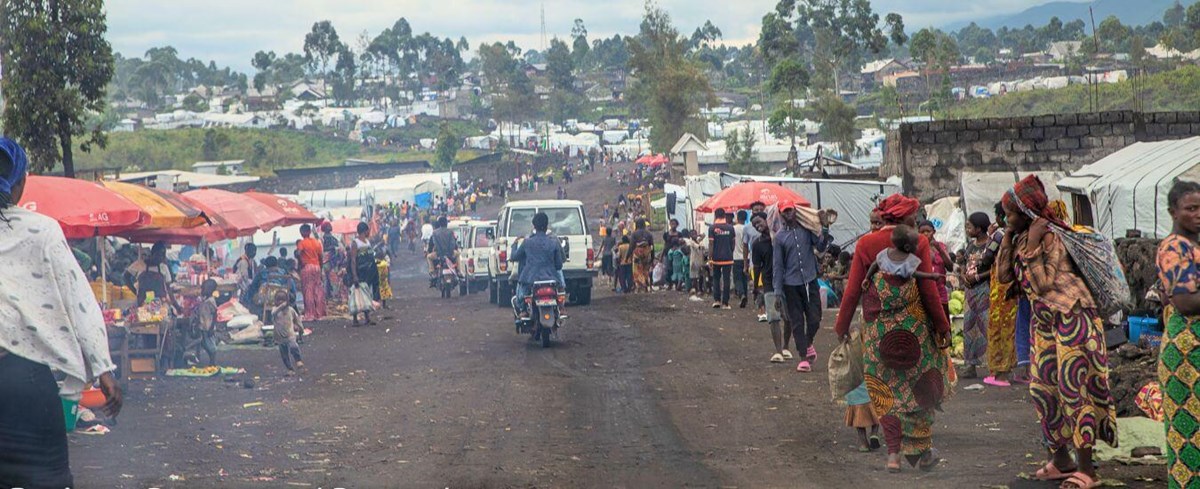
[
  {"x": 567, "y": 222},
  {"x": 475, "y": 245}
]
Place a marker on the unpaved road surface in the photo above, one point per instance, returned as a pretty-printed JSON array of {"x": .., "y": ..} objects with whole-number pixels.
[{"x": 642, "y": 391}]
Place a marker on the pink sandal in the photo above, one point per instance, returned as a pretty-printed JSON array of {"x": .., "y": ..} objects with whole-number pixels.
[
  {"x": 803, "y": 366},
  {"x": 993, "y": 381},
  {"x": 1082, "y": 481},
  {"x": 1051, "y": 473}
]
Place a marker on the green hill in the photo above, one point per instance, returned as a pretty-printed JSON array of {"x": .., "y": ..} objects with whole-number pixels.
[{"x": 1177, "y": 90}]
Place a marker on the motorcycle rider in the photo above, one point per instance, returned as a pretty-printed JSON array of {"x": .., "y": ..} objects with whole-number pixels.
[
  {"x": 540, "y": 257},
  {"x": 442, "y": 245}
]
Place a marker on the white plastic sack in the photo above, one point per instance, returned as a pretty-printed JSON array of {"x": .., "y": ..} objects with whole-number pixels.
[
  {"x": 242, "y": 321},
  {"x": 250, "y": 334}
]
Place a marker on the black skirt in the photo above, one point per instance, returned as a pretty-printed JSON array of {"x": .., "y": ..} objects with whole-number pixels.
[{"x": 33, "y": 432}]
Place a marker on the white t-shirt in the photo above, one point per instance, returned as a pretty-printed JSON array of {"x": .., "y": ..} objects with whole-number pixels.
[{"x": 426, "y": 231}]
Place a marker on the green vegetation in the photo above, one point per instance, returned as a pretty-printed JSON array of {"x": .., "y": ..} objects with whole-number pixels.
[
  {"x": 263, "y": 150},
  {"x": 1168, "y": 91},
  {"x": 425, "y": 128}
]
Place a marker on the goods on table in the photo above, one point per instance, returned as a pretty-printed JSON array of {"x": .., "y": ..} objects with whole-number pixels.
[
  {"x": 152, "y": 312},
  {"x": 115, "y": 292}
]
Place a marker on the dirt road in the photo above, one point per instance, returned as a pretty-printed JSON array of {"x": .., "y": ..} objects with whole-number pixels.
[{"x": 641, "y": 391}]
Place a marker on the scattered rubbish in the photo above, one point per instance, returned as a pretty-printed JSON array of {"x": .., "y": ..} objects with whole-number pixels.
[
  {"x": 222, "y": 473},
  {"x": 175, "y": 478},
  {"x": 252, "y": 404},
  {"x": 973, "y": 387},
  {"x": 98, "y": 429}
]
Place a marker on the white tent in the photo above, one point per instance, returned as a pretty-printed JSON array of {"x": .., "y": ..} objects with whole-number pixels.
[
  {"x": 335, "y": 198},
  {"x": 403, "y": 187},
  {"x": 949, "y": 221},
  {"x": 981, "y": 191},
  {"x": 1128, "y": 189},
  {"x": 852, "y": 199}
]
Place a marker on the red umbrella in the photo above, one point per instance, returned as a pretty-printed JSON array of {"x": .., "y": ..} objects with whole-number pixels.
[
  {"x": 741, "y": 195},
  {"x": 84, "y": 209},
  {"x": 346, "y": 226},
  {"x": 659, "y": 160},
  {"x": 243, "y": 213},
  {"x": 295, "y": 213},
  {"x": 644, "y": 160}
]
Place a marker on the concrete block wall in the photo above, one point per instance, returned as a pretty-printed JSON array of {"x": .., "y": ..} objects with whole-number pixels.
[{"x": 930, "y": 156}]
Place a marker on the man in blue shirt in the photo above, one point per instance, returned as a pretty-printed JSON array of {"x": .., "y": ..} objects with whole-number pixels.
[
  {"x": 794, "y": 278},
  {"x": 540, "y": 257}
]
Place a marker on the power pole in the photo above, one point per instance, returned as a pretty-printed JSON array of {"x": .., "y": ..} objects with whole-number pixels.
[{"x": 543, "y": 27}]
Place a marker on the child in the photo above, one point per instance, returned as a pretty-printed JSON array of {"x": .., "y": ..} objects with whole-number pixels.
[
  {"x": 860, "y": 416},
  {"x": 680, "y": 266},
  {"x": 287, "y": 324},
  {"x": 205, "y": 318},
  {"x": 385, "y": 270},
  {"x": 900, "y": 260}
]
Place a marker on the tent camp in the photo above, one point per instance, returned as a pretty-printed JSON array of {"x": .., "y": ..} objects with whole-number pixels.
[
  {"x": 404, "y": 188},
  {"x": 852, "y": 199},
  {"x": 336, "y": 198},
  {"x": 1128, "y": 189},
  {"x": 981, "y": 191},
  {"x": 682, "y": 206}
]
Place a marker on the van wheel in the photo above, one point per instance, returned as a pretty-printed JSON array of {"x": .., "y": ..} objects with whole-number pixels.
[
  {"x": 504, "y": 293},
  {"x": 583, "y": 296},
  {"x": 491, "y": 286}
]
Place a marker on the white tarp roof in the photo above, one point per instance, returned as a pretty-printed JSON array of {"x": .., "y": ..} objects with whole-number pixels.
[
  {"x": 852, "y": 199},
  {"x": 335, "y": 198},
  {"x": 1128, "y": 189},
  {"x": 981, "y": 191},
  {"x": 192, "y": 179}
]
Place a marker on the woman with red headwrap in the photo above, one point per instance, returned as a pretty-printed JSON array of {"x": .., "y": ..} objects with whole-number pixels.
[
  {"x": 1069, "y": 383},
  {"x": 906, "y": 367}
]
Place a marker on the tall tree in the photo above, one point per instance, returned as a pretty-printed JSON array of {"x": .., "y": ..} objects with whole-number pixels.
[
  {"x": 836, "y": 32},
  {"x": 1175, "y": 16},
  {"x": 739, "y": 153},
  {"x": 447, "y": 147},
  {"x": 837, "y": 123},
  {"x": 788, "y": 78},
  {"x": 321, "y": 45},
  {"x": 670, "y": 87},
  {"x": 559, "y": 66},
  {"x": 57, "y": 66},
  {"x": 579, "y": 43}
]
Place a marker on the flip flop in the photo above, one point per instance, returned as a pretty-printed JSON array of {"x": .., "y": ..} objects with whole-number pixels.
[
  {"x": 803, "y": 367},
  {"x": 1082, "y": 481},
  {"x": 993, "y": 381},
  {"x": 874, "y": 442},
  {"x": 1051, "y": 473}
]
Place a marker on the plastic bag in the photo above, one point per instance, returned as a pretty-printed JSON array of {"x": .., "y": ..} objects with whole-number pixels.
[
  {"x": 360, "y": 299},
  {"x": 658, "y": 272},
  {"x": 846, "y": 367}
]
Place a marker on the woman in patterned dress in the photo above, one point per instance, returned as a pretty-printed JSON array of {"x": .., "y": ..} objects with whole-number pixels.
[
  {"x": 905, "y": 336},
  {"x": 977, "y": 276},
  {"x": 1002, "y": 319},
  {"x": 1069, "y": 384},
  {"x": 1179, "y": 272}
]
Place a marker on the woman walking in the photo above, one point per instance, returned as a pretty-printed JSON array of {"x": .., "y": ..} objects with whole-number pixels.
[
  {"x": 50, "y": 321},
  {"x": 1069, "y": 384},
  {"x": 1178, "y": 262},
  {"x": 363, "y": 270},
  {"x": 905, "y": 336}
]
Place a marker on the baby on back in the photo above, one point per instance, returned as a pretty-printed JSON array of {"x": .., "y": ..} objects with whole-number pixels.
[{"x": 901, "y": 259}]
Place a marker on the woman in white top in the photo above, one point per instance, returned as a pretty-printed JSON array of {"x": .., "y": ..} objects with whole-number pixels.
[{"x": 49, "y": 319}]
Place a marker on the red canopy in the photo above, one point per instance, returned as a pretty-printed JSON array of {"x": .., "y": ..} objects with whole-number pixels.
[
  {"x": 242, "y": 212},
  {"x": 295, "y": 213},
  {"x": 644, "y": 160},
  {"x": 346, "y": 226},
  {"x": 659, "y": 160},
  {"x": 84, "y": 209},
  {"x": 217, "y": 229},
  {"x": 741, "y": 195}
]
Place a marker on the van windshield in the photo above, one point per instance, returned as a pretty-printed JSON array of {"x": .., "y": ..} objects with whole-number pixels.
[{"x": 564, "y": 221}]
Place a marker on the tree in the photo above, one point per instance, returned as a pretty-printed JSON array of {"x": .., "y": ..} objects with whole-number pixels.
[
  {"x": 194, "y": 103},
  {"x": 559, "y": 65},
  {"x": 57, "y": 67},
  {"x": 1175, "y": 16},
  {"x": 837, "y": 123},
  {"x": 447, "y": 147},
  {"x": 321, "y": 45},
  {"x": 841, "y": 29},
  {"x": 739, "y": 152},
  {"x": 214, "y": 143},
  {"x": 788, "y": 78},
  {"x": 563, "y": 105},
  {"x": 669, "y": 87},
  {"x": 579, "y": 43},
  {"x": 1193, "y": 17}
]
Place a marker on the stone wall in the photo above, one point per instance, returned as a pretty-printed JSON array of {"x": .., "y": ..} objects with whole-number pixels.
[
  {"x": 930, "y": 156},
  {"x": 292, "y": 181}
]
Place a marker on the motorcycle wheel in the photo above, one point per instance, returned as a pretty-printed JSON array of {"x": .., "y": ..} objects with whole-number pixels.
[{"x": 545, "y": 336}]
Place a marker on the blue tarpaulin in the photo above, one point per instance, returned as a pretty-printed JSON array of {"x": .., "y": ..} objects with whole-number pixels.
[{"x": 423, "y": 200}]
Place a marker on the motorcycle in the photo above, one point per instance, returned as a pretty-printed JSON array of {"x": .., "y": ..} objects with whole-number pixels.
[
  {"x": 446, "y": 275},
  {"x": 544, "y": 305}
]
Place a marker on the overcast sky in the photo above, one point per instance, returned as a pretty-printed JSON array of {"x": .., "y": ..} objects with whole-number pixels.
[{"x": 230, "y": 32}]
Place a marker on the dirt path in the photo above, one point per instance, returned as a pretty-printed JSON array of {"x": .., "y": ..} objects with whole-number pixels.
[{"x": 640, "y": 391}]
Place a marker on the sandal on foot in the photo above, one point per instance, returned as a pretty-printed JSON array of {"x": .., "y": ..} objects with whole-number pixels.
[
  {"x": 803, "y": 367},
  {"x": 1051, "y": 473},
  {"x": 787, "y": 354},
  {"x": 995, "y": 381},
  {"x": 864, "y": 449},
  {"x": 1080, "y": 480},
  {"x": 874, "y": 442},
  {"x": 893, "y": 468}
]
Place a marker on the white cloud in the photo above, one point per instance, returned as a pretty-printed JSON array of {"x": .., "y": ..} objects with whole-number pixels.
[{"x": 230, "y": 32}]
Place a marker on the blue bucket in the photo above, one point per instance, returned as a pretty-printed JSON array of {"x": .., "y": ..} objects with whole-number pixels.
[{"x": 1139, "y": 325}]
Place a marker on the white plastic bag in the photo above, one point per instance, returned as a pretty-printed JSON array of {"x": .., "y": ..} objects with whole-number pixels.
[{"x": 360, "y": 299}]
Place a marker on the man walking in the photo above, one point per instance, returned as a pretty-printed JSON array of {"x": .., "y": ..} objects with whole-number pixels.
[
  {"x": 720, "y": 244},
  {"x": 741, "y": 222},
  {"x": 761, "y": 256},
  {"x": 794, "y": 277}
]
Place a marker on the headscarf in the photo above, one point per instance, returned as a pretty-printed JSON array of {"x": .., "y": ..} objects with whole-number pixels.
[
  {"x": 20, "y": 162},
  {"x": 1028, "y": 196},
  {"x": 1059, "y": 209},
  {"x": 896, "y": 207}
]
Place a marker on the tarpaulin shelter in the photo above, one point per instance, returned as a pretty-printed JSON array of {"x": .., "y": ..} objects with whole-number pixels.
[
  {"x": 294, "y": 213},
  {"x": 336, "y": 198},
  {"x": 980, "y": 191},
  {"x": 84, "y": 209},
  {"x": 1128, "y": 189},
  {"x": 166, "y": 209}
]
